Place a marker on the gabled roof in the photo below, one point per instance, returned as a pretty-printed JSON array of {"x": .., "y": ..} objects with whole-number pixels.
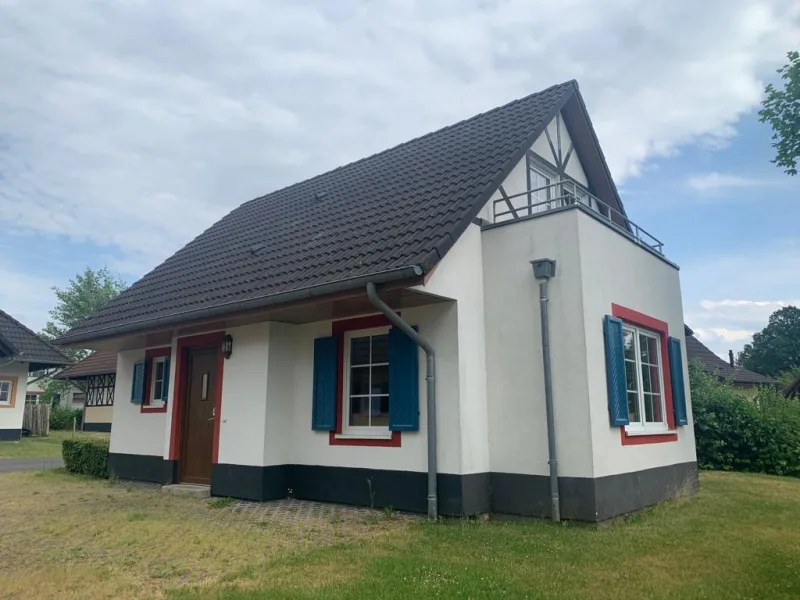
[
  {"x": 98, "y": 363},
  {"x": 20, "y": 343},
  {"x": 387, "y": 217},
  {"x": 696, "y": 351}
]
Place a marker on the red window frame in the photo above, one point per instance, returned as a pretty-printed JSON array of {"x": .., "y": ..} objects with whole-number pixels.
[
  {"x": 149, "y": 355},
  {"x": 660, "y": 328},
  {"x": 339, "y": 328}
]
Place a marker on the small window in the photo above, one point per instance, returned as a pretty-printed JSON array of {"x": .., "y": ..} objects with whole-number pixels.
[
  {"x": 5, "y": 392},
  {"x": 367, "y": 383},
  {"x": 645, "y": 380},
  {"x": 157, "y": 388},
  {"x": 31, "y": 398}
]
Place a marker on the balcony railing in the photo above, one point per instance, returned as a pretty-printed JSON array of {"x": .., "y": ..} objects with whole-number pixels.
[{"x": 563, "y": 195}]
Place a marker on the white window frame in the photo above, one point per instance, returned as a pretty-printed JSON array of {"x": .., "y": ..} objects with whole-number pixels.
[
  {"x": 152, "y": 402},
  {"x": 359, "y": 431},
  {"x": 9, "y": 399},
  {"x": 642, "y": 427},
  {"x": 535, "y": 197}
]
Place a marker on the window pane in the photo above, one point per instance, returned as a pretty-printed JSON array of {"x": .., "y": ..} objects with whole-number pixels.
[
  {"x": 648, "y": 348},
  {"x": 359, "y": 380},
  {"x": 160, "y": 370},
  {"x": 380, "y": 348},
  {"x": 655, "y": 379},
  {"x": 5, "y": 386},
  {"x": 646, "y": 383},
  {"x": 359, "y": 351},
  {"x": 633, "y": 407},
  {"x": 380, "y": 411},
  {"x": 359, "y": 412},
  {"x": 628, "y": 344},
  {"x": 3, "y": 395},
  {"x": 380, "y": 380},
  {"x": 630, "y": 376},
  {"x": 652, "y": 408}
]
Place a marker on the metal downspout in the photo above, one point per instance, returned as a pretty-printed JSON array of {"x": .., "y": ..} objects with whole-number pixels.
[
  {"x": 430, "y": 380},
  {"x": 543, "y": 270}
]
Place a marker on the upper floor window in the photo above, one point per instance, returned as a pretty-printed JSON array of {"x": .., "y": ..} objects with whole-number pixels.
[
  {"x": 539, "y": 183},
  {"x": 645, "y": 380}
]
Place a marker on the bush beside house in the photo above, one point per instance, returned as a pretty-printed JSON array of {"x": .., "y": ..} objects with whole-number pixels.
[
  {"x": 86, "y": 457},
  {"x": 737, "y": 433},
  {"x": 62, "y": 417}
]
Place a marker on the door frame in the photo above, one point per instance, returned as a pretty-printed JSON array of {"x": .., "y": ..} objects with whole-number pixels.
[{"x": 181, "y": 388}]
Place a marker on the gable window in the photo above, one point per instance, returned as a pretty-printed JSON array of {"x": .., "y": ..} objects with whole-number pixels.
[
  {"x": 8, "y": 392},
  {"x": 367, "y": 382},
  {"x": 644, "y": 379}
]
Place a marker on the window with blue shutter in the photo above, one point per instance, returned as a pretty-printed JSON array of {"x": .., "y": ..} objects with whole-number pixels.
[
  {"x": 678, "y": 382},
  {"x": 137, "y": 385},
  {"x": 615, "y": 371},
  {"x": 403, "y": 382},
  {"x": 323, "y": 416},
  {"x": 165, "y": 387}
]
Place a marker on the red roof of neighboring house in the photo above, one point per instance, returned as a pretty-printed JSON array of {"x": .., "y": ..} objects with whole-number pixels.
[{"x": 99, "y": 363}]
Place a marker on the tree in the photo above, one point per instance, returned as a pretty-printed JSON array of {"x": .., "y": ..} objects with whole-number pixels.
[
  {"x": 87, "y": 293},
  {"x": 777, "y": 347},
  {"x": 781, "y": 109}
]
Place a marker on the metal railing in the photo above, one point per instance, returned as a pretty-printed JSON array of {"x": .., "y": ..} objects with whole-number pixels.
[{"x": 564, "y": 194}]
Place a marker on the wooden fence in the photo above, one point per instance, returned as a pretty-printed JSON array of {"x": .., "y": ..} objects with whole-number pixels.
[{"x": 37, "y": 419}]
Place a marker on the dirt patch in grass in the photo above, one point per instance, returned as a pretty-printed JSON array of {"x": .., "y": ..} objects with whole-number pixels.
[
  {"x": 43, "y": 446},
  {"x": 70, "y": 537}
]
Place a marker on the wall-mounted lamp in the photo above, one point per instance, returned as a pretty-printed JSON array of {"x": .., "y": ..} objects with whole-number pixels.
[{"x": 227, "y": 346}]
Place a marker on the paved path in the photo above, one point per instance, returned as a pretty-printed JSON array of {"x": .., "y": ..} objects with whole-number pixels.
[{"x": 29, "y": 464}]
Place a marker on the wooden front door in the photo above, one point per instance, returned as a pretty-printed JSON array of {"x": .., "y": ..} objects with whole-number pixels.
[{"x": 198, "y": 415}]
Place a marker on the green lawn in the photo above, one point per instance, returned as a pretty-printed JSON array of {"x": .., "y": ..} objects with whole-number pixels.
[
  {"x": 69, "y": 537},
  {"x": 42, "y": 447}
]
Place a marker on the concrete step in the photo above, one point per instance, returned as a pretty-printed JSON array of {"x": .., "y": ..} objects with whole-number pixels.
[{"x": 187, "y": 489}]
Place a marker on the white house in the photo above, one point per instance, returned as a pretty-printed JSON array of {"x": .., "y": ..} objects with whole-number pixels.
[
  {"x": 21, "y": 352},
  {"x": 374, "y": 335}
]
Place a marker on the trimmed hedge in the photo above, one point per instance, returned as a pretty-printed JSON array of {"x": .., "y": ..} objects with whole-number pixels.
[
  {"x": 61, "y": 417},
  {"x": 737, "y": 433},
  {"x": 86, "y": 457}
]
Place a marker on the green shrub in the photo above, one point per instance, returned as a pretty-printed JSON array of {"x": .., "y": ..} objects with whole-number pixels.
[
  {"x": 86, "y": 457},
  {"x": 61, "y": 417},
  {"x": 737, "y": 433}
]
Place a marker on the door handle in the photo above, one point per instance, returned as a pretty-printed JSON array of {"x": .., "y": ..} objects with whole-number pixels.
[{"x": 213, "y": 413}]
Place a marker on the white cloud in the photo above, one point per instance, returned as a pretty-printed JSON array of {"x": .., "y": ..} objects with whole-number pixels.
[
  {"x": 26, "y": 297},
  {"x": 135, "y": 125},
  {"x": 712, "y": 182}
]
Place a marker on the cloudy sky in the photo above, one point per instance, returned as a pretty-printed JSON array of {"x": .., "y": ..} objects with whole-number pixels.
[{"x": 129, "y": 126}]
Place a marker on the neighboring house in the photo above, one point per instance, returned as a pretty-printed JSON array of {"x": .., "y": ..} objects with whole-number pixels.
[
  {"x": 72, "y": 398},
  {"x": 21, "y": 352},
  {"x": 793, "y": 389},
  {"x": 97, "y": 376},
  {"x": 738, "y": 377},
  {"x": 262, "y": 358}
]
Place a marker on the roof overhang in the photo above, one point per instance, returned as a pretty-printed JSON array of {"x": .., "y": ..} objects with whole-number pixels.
[{"x": 317, "y": 307}]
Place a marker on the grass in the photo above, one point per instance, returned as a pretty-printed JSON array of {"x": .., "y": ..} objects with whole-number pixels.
[
  {"x": 43, "y": 447},
  {"x": 738, "y": 538}
]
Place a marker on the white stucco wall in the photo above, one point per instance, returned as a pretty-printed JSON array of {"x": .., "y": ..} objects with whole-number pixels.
[
  {"x": 517, "y": 426},
  {"x": 617, "y": 271},
  {"x": 280, "y": 395},
  {"x": 244, "y": 397},
  {"x": 11, "y": 418},
  {"x": 134, "y": 432}
]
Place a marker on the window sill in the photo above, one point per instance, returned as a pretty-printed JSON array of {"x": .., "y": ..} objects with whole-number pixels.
[
  {"x": 392, "y": 440},
  {"x": 154, "y": 408},
  {"x": 638, "y": 437}
]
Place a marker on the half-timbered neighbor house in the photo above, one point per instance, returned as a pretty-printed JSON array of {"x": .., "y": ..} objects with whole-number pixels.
[{"x": 96, "y": 377}]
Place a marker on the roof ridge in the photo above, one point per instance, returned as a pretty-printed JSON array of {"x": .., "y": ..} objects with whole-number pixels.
[{"x": 572, "y": 82}]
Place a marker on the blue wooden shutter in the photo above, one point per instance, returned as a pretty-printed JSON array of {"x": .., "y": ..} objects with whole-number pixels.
[
  {"x": 615, "y": 372},
  {"x": 137, "y": 386},
  {"x": 403, "y": 382},
  {"x": 165, "y": 383},
  {"x": 323, "y": 416},
  {"x": 676, "y": 378}
]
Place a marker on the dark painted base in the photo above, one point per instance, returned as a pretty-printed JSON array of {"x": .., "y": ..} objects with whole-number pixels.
[
  {"x": 105, "y": 427},
  {"x": 10, "y": 435},
  {"x": 141, "y": 468},
  {"x": 582, "y": 499}
]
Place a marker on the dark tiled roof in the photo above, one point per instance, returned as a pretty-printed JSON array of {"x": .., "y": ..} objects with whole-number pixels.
[
  {"x": 21, "y": 343},
  {"x": 400, "y": 209},
  {"x": 696, "y": 351},
  {"x": 99, "y": 363}
]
